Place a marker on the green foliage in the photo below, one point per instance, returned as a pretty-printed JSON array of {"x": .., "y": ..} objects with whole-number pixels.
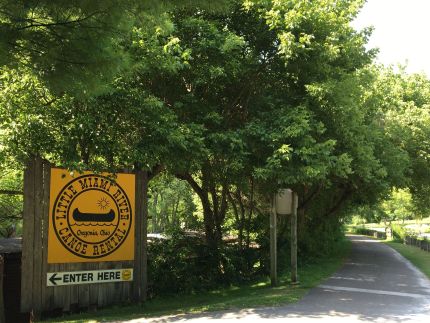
[
  {"x": 234, "y": 104},
  {"x": 171, "y": 206},
  {"x": 25, "y": 122},
  {"x": 399, "y": 233},
  {"x": 184, "y": 263},
  {"x": 407, "y": 118},
  {"x": 70, "y": 44},
  {"x": 111, "y": 131},
  {"x": 401, "y": 103},
  {"x": 76, "y": 46},
  {"x": 321, "y": 238},
  {"x": 361, "y": 230},
  {"x": 11, "y": 199},
  {"x": 11, "y": 202},
  {"x": 398, "y": 206}
]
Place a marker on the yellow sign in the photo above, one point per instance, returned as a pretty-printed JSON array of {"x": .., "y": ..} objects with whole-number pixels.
[
  {"x": 91, "y": 217},
  {"x": 127, "y": 274}
]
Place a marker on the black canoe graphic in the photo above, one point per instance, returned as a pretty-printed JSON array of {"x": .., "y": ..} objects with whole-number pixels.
[{"x": 93, "y": 217}]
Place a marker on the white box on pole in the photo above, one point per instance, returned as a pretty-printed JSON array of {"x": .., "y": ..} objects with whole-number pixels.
[{"x": 284, "y": 201}]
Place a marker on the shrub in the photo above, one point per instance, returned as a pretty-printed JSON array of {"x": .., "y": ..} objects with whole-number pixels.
[
  {"x": 399, "y": 232},
  {"x": 182, "y": 263},
  {"x": 361, "y": 230}
]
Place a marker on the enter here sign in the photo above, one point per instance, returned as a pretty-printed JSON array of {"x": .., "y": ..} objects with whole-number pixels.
[{"x": 89, "y": 277}]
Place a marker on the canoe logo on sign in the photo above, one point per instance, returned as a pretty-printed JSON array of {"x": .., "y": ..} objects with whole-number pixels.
[{"x": 92, "y": 216}]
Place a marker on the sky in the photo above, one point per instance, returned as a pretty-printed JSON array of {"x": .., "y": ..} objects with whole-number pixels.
[{"x": 401, "y": 32}]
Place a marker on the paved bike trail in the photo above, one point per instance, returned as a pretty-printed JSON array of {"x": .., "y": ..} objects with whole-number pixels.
[{"x": 376, "y": 284}]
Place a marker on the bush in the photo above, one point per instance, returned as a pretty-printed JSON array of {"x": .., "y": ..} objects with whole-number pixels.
[
  {"x": 361, "y": 230},
  {"x": 183, "y": 263},
  {"x": 320, "y": 238},
  {"x": 399, "y": 232}
]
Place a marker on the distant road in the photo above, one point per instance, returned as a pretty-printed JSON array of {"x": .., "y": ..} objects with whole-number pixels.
[{"x": 376, "y": 284}]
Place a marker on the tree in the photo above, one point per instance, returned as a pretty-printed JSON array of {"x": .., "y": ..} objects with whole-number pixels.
[
  {"x": 265, "y": 92},
  {"x": 237, "y": 104},
  {"x": 171, "y": 206},
  {"x": 10, "y": 200},
  {"x": 407, "y": 118},
  {"x": 397, "y": 207},
  {"x": 76, "y": 45}
]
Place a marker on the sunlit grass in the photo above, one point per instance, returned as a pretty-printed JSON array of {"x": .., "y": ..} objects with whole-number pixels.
[
  {"x": 417, "y": 222},
  {"x": 255, "y": 294},
  {"x": 420, "y": 258}
]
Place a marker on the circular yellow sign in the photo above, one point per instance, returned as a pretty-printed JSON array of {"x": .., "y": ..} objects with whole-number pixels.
[
  {"x": 92, "y": 216},
  {"x": 126, "y": 274}
]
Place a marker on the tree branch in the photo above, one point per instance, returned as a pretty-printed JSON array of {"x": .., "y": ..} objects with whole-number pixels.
[
  {"x": 11, "y": 192},
  {"x": 343, "y": 198},
  {"x": 157, "y": 169},
  {"x": 310, "y": 197},
  {"x": 194, "y": 185},
  {"x": 36, "y": 24}
]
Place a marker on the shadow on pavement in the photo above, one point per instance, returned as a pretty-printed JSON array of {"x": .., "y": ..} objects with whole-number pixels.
[{"x": 392, "y": 291}]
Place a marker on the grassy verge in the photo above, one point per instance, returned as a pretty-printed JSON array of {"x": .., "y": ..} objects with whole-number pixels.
[
  {"x": 420, "y": 258},
  {"x": 245, "y": 296}
]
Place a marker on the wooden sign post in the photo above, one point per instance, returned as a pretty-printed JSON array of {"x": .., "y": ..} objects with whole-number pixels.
[
  {"x": 273, "y": 246},
  {"x": 285, "y": 202},
  {"x": 295, "y": 202}
]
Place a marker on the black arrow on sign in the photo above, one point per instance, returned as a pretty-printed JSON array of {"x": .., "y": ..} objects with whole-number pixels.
[{"x": 53, "y": 279}]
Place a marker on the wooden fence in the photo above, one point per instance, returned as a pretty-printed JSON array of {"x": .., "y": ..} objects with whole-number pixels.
[
  {"x": 36, "y": 297},
  {"x": 372, "y": 233},
  {"x": 423, "y": 244}
]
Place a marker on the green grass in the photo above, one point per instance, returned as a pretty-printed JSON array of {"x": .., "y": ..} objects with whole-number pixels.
[
  {"x": 237, "y": 297},
  {"x": 382, "y": 225},
  {"x": 420, "y": 258}
]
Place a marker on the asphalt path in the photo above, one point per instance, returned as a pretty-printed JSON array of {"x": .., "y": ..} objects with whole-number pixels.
[{"x": 376, "y": 284}]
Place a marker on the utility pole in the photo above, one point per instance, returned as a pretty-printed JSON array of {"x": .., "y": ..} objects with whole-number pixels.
[
  {"x": 273, "y": 251},
  {"x": 295, "y": 200}
]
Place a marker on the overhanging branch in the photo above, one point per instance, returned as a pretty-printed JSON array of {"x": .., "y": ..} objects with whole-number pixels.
[{"x": 11, "y": 192}]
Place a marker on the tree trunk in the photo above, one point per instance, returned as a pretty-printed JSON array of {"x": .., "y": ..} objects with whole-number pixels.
[
  {"x": 141, "y": 274},
  {"x": 214, "y": 207},
  {"x": 209, "y": 223},
  {"x": 249, "y": 218},
  {"x": 242, "y": 218},
  {"x": 154, "y": 214},
  {"x": 175, "y": 213}
]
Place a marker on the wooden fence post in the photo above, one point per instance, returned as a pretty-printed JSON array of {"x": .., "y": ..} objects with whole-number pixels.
[
  {"x": 27, "y": 241},
  {"x": 32, "y": 281},
  {"x": 47, "y": 294},
  {"x": 37, "y": 239},
  {"x": 145, "y": 185},
  {"x": 273, "y": 246},
  {"x": 140, "y": 259},
  {"x": 294, "y": 278}
]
